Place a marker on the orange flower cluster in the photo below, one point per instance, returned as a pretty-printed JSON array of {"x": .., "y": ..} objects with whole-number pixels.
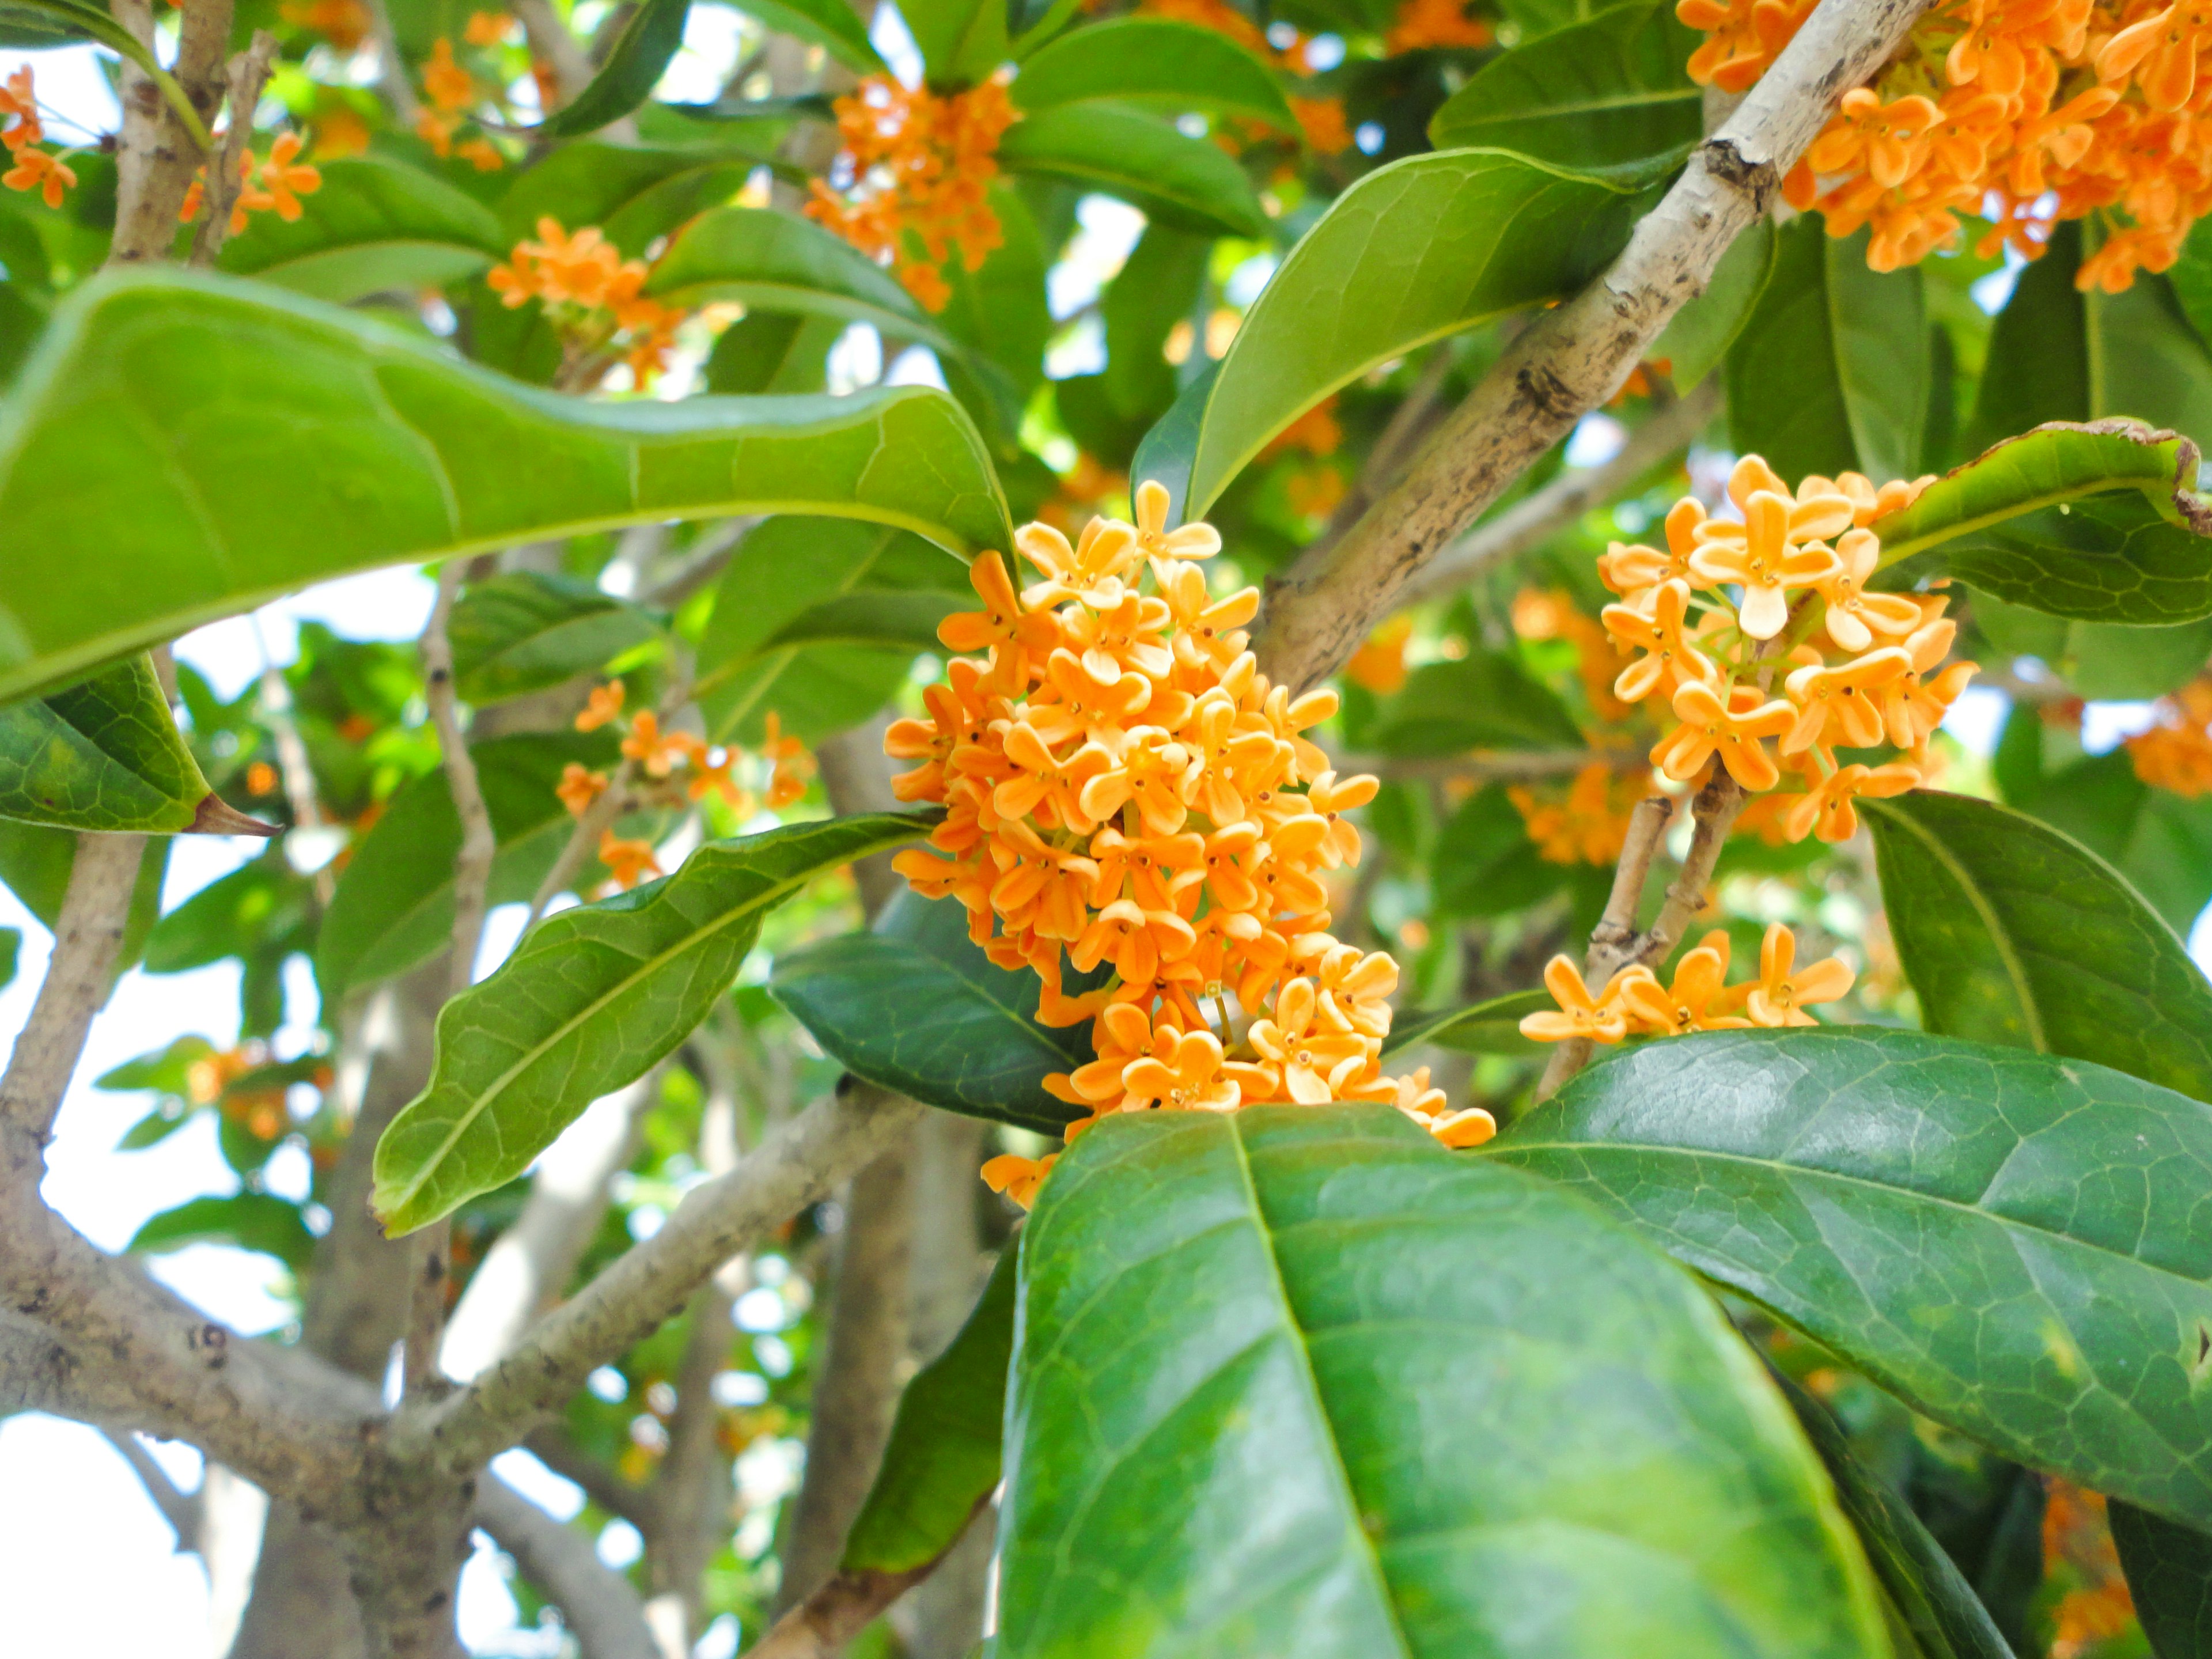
[
  {"x": 917, "y": 170},
  {"x": 692, "y": 767},
  {"x": 1423, "y": 23},
  {"x": 1730, "y": 607},
  {"x": 29, "y": 167},
  {"x": 344, "y": 23},
  {"x": 1699, "y": 998},
  {"x": 283, "y": 180},
  {"x": 2050, "y": 109},
  {"x": 1125, "y": 789},
  {"x": 2176, "y": 753},
  {"x": 452, "y": 91},
  {"x": 593, "y": 296},
  {"x": 1587, "y": 824}
]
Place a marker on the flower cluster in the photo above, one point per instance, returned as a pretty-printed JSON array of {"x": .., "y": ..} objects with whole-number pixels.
[
  {"x": 594, "y": 296},
  {"x": 682, "y": 768},
  {"x": 275, "y": 185},
  {"x": 1125, "y": 791},
  {"x": 344, "y": 23},
  {"x": 2028, "y": 112},
  {"x": 1633, "y": 1003},
  {"x": 917, "y": 170},
  {"x": 1730, "y": 608},
  {"x": 2176, "y": 753},
  {"x": 452, "y": 92},
  {"x": 1586, "y": 824},
  {"x": 1425, "y": 23},
  {"x": 29, "y": 167}
]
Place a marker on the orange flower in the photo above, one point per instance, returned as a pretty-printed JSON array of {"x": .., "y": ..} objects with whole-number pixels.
[
  {"x": 1827, "y": 808},
  {"x": 1843, "y": 697},
  {"x": 629, "y": 862},
  {"x": 1157, "y": 541},
  {"x": 1731, "y": 730},
  {"x": 450, "y": 87},
  {"x": 284, "y": 181},
  {"x": 36, "y": 169},
  {"x": 604, "y": 705},
  {"x": 1670, "y": 660},
  {"x": 1425, "y": 23},
  {"x": 1183, "y": 1074},
  {"x": 1769, "y": 553},
  {"x": 1781, "y": 996},
  {"x": 793, "y": 766},
  {"x": 580, "y": 786},
  {"x": 344, "y": 23},
  {"x": 1321, "y": 122},
  {"x": 1001, "y": 622},
  {"x": 19, "y": 102},
  {"x": 481, "y": 154},
  {"x": 1696, "y": 1001},
  {"x": 1018, "y": 1178},
  {"x": 1379, "y": 665},
  {"x": 1601, "y": 1018},
  {"x": 489, "y": 28},
  {"x": 2176, "y": 753}
]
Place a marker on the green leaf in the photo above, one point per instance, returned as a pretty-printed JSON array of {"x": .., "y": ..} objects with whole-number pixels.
[
  {"x": 1154, "y": 63},
  {"x": 2169, "y": 1570},
  {"x": 1485, "y": 700},
  {"x": 1947, "y": 1619},
  {"x": 1485, "y": 863},
  {"x": 1159, "y": 287},
  {"x": 942, "y": 1461},
  {"x": 1612, "y": 91},
  {"x": 917, "y": 1007},
  {"x": 2099, "y": 522},
  {"x": 394, "y": 905},
  {"x": 2014, "y": 934},
  {"x": 642, "y": 52},
  {"x": 252, "y": 1221},
  {"x": 526, "y": 629},
  {"x": 11, "y": 946},
  {"x": 2015, "y": 1244},
  {"x": 590, "y": 1000},
  {"x": 633, "y": 194},
  {"x": 832, "y": 25},
  {"x": 785, "y": 570},
  {"x": 1452, "y": 240},
  {"x": 1299, "y": 1381},
  {"x": 2161, "y": 843},
  {"x": 200, "y": 421},
  {"x": 961, "y": 42},
  {"x": 375, "y": 225},
  {"x": 999, "y": 314},
  {"x": 1830, "y": 374},
  {"x": 772, "y": 261},
  {"x": 1696, "y": 341},
  {"x": 103, "y": 754},
  {"x": 264, "y": 908},
  {"x": 768, "y": 351},
  {"x": 1184, "y": 182},
  {"x": 907, "y": 620},
  {"x": 1490, "y": 1027}
]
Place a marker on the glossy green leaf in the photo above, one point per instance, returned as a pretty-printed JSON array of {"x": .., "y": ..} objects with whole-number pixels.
[
  {"x": 375, "y": 225},
  {"x": 772, "y": 261},
  {"x": 942, "y": 1461},
  {"x": 1155, "y": 63},
  {"x": 1187, "y": 183},
  {"x": 648, "y": 41},
  {"x": 768, "y": 351},
  {"x": 1946, "y": 1620},
  {"x": 1696, "y": 340},
  {"x": 894, "y": 618},
  {"x": 200, "y": 421},
  {"x": 786, "y": 570},
  {"x": 1830, "y": 374},
  {"x": 917, "y": 1007},
  {"x": 2161, "y": 842},
  {"x": 1453, "y": 239},
  {"x": 394, "y": 905},
  {"x": 103, "y": 754},
  {"x": 526, "y": 629},
  {"x": 1489, "y": 1027},
  {"x": 1297, "y": 1382},
  {"x": 590, "y": 1000},
  {"x": 1612, "y": 91},
  {"x": 2014, "y": 934},
  {"x": 252, "y": 1221},
  {"x": 2169, "y": 1569},
  {"x": 1485, "y": 863},
  {"x": 633, "y": 193},
  {"x": 2099, "y": 522},
  {"x": 1159, "y": 285},
  {"x": 832, "y": 25},
  {"x": 1485, "y": 700},
  {"x": 998, "y": 313},
  {"x": 2015, "y": 1244}
]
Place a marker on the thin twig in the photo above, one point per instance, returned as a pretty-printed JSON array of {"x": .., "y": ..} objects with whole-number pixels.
[
  {"x": 597, "y": 1603},
  {"x": 249, "y": 73},
  {"x": 391, "y": 66},
  {"x": 843, "y": 1607},
  {"x": 1490, "y": 766},
  {"x": 181, "y": 1510}
]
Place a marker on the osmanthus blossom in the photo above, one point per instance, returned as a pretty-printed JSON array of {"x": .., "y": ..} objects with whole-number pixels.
[
  {"x": 1129, "y": 799},
  {"x": 1633, "y": 1003}
]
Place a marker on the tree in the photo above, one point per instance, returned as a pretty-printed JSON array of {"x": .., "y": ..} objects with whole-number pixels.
[{"x": 1063, "y": 852}]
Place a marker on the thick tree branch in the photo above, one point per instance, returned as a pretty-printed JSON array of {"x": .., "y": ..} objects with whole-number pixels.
[
  {"x": 798, "y": 1165},
  {"x": 156, "y": 154},
  {"x": 596, "y": 1602},
  {"x": 1570, "y": 360}
]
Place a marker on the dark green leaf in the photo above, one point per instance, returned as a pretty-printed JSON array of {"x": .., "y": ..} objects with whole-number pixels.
[
  {"x": 591, "y": 998},
  {"x": 2169, "y": 1570},
  {"x": 768, "y": 351},
  {"x": 1485, "y": 700},
  {"x": 394, "y": 905},
  {"x": 904, "y": 619},
  {"x": 633, "y": 194},
  {"x": 998, "y": 313},
  {"x": 1612, "y": 91},
  {"x": 917, "y": 1007},
  {"x": 2161, "y": 842},
  {"x": 642, "y": 52},
  {"x": 375, "y": 225},
  {"x": 199, "y": 421},
  {"x": 1485, "y": 863},
  {"x": 1830, "y": 374},
  {"x": 942, "y": 1460},
  {"x": 1696, "y": 341},
  {"x": 1492, "y": 1027},
  {"x": 1156, "y": 63},
  {"x": 103, "y": 754},
  {"x": 771, "y": 261},
  {"x": 252, "y": 1221},
  {"x": 2014, "y": 934},
  {"x": 1184, "y": 182},
  {"x": 832, "y": 25},
  {"x": 2015, "y": 1244},
  {"x": 1298, "y": 1382},
  {"x": 526, "y": 629},
  {"x": 1453, "y": 239},
  {"x": 1157, "y": 288}
]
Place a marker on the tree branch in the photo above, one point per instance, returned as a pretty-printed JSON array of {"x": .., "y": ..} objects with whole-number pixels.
[
  {"x": 596, "y": 1602},
  {"x": 180, "y": 1510},
  {"x": 1570, "y": 360},
  {"x": 1535, "y": 519},
  {"x": 599, "y": 1481},
  {"x": 156, "y": 154},
  {"x": 88, "y": 936},
  {"x": 819, "y": 1626},
  {"x": 249, "y": 73}
]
